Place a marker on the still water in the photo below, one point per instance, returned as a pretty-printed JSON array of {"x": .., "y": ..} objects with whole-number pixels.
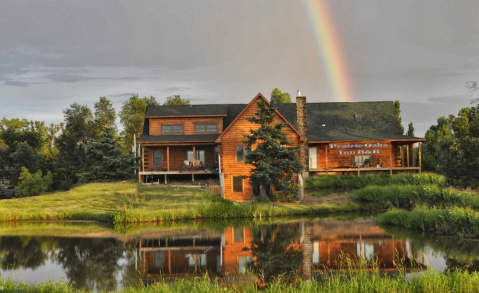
[{"x": 99, "y": 258}]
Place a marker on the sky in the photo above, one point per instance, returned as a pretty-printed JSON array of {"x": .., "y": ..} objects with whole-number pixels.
[{"x": 55, "y": 53}]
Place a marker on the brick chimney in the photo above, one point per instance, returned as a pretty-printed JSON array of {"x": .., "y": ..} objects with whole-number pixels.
[{"x": 302, "y": 124}]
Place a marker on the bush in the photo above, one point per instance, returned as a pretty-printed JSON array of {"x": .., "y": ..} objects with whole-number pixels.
[{"x": 33, "y": 184}]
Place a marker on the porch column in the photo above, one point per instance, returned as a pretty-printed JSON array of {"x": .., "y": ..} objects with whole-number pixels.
[
  {"x": 413, "y": 156},
  {"x": 327, "y": 168},
  {"x": 194, "y": 163},
  {"x": 391, "y": 161},
  {"x": 419, "y": 157},
  {"x": 167, "y": 159},
  {"x": 402, "y": 155},
  {"x": 407, "y": 155},
  {"x": 359, "y": 172}
]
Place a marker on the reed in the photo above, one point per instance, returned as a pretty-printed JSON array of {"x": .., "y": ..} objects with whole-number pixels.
[
  {"x": 408, "y": 196},
  {"x": 349, "y": 280},
  {"x": 356, "y": 182},
  {"x": 463, "y": 222}
]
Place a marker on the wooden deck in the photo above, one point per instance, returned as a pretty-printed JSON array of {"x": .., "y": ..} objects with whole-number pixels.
[{"x": 358, "y": 171}]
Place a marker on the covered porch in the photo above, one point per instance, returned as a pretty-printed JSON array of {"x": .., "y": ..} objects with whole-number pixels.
[
  {"x": 365, "y": 157},
  {"x": 162, "y": 160}
]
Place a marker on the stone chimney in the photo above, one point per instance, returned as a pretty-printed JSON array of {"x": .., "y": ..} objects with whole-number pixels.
[{"x": 302, "y": 124}]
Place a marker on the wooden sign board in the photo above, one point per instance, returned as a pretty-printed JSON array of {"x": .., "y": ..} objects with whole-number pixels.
[{"x": 366, "y": 148}]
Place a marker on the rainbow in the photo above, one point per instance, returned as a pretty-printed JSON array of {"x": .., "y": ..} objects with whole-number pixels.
[{"x": 329, "y": 43}]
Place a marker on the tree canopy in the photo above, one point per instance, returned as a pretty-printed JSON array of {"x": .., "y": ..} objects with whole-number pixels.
[
  {"x": 274, "y": 161},
  {"x": 132, "y": 116},
  {"x": 176, "y": 100},
  {"x": 397, "y": 107},
  {"x": 280, "y": 98}
]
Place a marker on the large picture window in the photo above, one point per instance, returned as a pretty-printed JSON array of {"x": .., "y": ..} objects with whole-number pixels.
[
  {"x": 237, "y": 184},
  {"x": 202, "y": 128},
  {"x": 364, "y": 161},
  {"x": 172, "y": 128},
  {"x": 157, "y": 158},
  {"x": 200, "y": 157}
]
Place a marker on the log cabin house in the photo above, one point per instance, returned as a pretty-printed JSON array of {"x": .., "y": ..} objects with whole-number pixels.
[{"x": 335, "y": 139}]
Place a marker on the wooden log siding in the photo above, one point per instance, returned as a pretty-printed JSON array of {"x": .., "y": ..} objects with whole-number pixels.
[
  {"x": 188, "y": 124},
  {"x": 233, "y": 249},
  {"x": 177, "y": 156},
  {"x": 328, "y": 158},
  {"x": 230, "y": 139}
]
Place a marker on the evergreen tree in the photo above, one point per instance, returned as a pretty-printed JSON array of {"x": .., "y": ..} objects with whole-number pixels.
[
  {"x": 397, "y": 107},
  {"x": 274, "y": 161},
  {"x": 106, "y": 161}
]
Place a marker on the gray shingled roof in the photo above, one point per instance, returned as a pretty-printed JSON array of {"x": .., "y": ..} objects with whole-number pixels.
[
  {"x": 188, "y": 137},
  {"x": 192, "y": 110},
  {"x": 378, "y": 121}
]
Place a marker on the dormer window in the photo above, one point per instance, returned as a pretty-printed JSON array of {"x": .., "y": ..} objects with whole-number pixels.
[
  {"x": 357, "y": 117},
  {"x": 172, "y": 128}
]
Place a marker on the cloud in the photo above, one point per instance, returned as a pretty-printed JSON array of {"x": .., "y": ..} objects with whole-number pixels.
[
  {"x": 453, "y": 100},
  {"x": 177, "y": 88},
  {"x": 17, "y": 83}
]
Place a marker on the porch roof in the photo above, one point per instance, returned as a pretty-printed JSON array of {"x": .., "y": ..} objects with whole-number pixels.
[{"x": 145, "y": 138}]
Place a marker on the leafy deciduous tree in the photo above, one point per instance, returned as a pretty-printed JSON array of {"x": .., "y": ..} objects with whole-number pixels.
[
  {"x": 105, "y": 116},
  {"x": 33, "y": 184},
  {"x": 132, "y": 116},
  {"x": 176, "y": 100},
  {"x": 397, "y": 107},
  {"x": 278, "y": 97}
]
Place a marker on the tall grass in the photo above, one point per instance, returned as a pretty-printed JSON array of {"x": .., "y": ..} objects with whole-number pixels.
[
  {"x": 347, "y": 281},
  {"x": 408, "y": 196},
  {"x": 463, "y": 222},
  {"x": 357, "y": 182}
]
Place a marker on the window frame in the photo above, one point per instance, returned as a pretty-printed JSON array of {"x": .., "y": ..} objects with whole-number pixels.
[
  {"x": 161, "y": 157},
  {"x": 205, "y": 127},
  {"x": 164, "y": 128},
  {"x": 233, "y": 184}
]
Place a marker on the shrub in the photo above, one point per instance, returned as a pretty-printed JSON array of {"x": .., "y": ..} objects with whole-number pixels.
[{"x": 33, "y": 184}]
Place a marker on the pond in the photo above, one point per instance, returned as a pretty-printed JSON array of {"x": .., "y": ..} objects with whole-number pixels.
[{"x": 96, "y": 257}]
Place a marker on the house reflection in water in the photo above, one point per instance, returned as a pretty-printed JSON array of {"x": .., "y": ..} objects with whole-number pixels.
[{"x": 308, "y": 248}]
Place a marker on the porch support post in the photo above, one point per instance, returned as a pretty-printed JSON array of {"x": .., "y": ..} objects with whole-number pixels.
[
  {"x": 407, "y": 155},
  {"x": 401, "y": 150},
  {"x": 413, "y": 156},
  {"x": 167, "y": 159},
  {"x": 327, "y": 168},
  {"x": 359, "y": 172},
  {"x": 166, "y": 179},
  {"x": 194, "y": 156},
  {"x": 391, "y": 162},
  {"x": 419, "y": 157}
]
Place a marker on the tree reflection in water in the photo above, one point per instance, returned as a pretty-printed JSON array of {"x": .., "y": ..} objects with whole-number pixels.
[
  {"x": 23, "y": 252},
  {"x": 276, "y": 251},
  {"x": 91, "y": 263}
]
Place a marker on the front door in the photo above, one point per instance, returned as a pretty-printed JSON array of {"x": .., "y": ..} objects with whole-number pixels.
[{"x": 313, "y": 158}]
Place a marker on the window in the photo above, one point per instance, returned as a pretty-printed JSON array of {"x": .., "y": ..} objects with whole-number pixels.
[
  {"x": 197, "y": 260},
  {"x": 238, "y": 235},
  {"x": 201, "y": 128},
  {"x": 243, "y": 262},
  {"x": 157, "y": 158},
  {"x": 158, "y": 259},
  {"x": 363, "y": 161},
  {"x": 313, "y": 158},
  {"x": 200, "y": 156},
  {"x": 237, "y": 184},
  {"x": 172, "y": 128},
  {"x": 240, "y": 154}
]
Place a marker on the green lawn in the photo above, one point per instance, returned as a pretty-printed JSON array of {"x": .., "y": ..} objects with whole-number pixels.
[{"x": 133, "y": 203}]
